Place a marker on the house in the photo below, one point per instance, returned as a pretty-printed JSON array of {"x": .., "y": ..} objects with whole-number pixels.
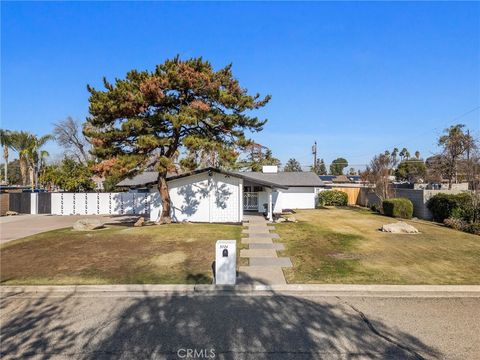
[
  {"x": 340, "y": 179},
  {"x": 215, "y": 195}
]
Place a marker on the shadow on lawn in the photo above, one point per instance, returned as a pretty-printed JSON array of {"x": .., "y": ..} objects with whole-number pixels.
[{"x": 271, "y": 326}]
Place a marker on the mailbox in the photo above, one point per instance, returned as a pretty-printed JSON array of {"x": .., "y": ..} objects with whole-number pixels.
[{"x": 225, "y": 262}]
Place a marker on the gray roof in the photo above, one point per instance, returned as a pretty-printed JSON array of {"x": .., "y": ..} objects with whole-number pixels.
[
  {"x": 305, "y": 178},
  {"x": 145, "y": 178},
  {"x": 280, "y": 179}
]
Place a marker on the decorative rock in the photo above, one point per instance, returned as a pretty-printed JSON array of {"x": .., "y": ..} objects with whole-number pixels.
[
  {"x": 11, "y": 213},
  {"x": 280, "y": 220},
  {"x": 139, "y": 222},
  {"x": 291, "y": 219},
  {"x": 399, "y": 228},
  {"x": 87, "y": 224}
]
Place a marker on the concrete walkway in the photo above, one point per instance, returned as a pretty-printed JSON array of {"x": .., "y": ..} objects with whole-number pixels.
[{"x": 264, "y": 267}]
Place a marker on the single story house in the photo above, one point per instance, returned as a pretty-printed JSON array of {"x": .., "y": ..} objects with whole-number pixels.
[{"x": 215, "y": 195}]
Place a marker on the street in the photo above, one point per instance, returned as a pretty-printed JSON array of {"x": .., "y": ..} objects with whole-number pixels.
[{"x": 225, "y": 325}]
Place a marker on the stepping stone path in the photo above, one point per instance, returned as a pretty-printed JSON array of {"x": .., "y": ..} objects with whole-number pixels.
[{"x": 265, "y": 267}]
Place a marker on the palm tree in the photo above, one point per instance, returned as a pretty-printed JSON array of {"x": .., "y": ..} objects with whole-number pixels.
[
  {"x": 29, "y": 151},
  {"x": 6, "y": 142},
  {"x": 36, "y": 157},
  {"x": 21, "y": 142}
]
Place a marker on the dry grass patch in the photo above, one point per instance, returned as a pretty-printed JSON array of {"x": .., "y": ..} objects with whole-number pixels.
[
  {"x": 345, "y": 246},
  {"x": 175, "y": 253}
]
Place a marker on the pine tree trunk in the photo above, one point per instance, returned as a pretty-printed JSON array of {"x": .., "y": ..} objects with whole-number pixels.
[{"x": 165, "y": 195}]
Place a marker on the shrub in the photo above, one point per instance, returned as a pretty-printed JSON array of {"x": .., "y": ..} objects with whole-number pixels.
[
  {"x": 332, "y": 198},
  {"x": 459, "y": 224},
  {"x": 398, "y": 207},
  {"x": 444, "y": 206},
  {"x": 454, "y": 223},
  {"x": 473, "y": 228}
]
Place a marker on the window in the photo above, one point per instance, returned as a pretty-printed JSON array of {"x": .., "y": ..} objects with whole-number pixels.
[{"x": 257, "y": 188}]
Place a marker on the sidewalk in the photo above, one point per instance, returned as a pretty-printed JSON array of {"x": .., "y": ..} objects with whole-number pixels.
[{"x": 300, "y": 289}]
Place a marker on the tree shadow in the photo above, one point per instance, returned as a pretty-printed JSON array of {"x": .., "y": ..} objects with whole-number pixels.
[
  {"x": 39, "y": 327},
  {"x": 235, "y": 325},
  {"x": 192, "y": 195},
  {"x": 222, "y": 194}
]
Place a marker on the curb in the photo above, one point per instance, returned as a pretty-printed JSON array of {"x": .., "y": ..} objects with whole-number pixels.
[{"x": 305, "y": 290}]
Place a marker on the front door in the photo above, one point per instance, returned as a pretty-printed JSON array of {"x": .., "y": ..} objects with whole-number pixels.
[{"x": 250, "y": 201}]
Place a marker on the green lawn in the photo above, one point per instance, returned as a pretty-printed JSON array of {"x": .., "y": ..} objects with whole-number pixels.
[
  {"x": 167, "y": 254},
  {"x": 345, "y": 246}
]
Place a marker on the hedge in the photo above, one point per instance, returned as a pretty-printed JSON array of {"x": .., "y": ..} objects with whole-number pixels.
[
  {"x": 398, "y": 207},
  {"x": 332, "y": 198},
  {"x": 444, "y": 206}
]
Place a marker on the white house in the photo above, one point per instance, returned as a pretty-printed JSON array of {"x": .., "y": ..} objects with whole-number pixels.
[{"x": 215, "y": 195}]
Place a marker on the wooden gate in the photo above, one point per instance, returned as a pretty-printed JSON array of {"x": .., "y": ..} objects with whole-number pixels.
[
  {"x": 20, "y": 202},
  {"x": 44, "y": 203}
]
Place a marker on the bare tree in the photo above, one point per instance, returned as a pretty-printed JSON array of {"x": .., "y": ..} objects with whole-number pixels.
[
  {"x": 68, "y": 134},
  {"x": 378, "y": 173}
]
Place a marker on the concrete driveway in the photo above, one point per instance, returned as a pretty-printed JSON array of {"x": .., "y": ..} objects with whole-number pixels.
[
  {"x": 227, "y": 325},
  {"x": 19, "y": 226}
]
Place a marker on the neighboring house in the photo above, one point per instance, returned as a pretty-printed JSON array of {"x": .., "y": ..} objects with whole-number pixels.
[
  {"x": 339, "y": 179},
  {"x": 214, "y": 195}
]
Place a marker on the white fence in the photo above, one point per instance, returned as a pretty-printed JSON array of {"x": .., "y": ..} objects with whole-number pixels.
[{"x": 100, "y": 203}]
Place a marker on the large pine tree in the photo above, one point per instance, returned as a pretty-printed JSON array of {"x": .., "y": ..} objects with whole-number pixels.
[
  {"x": 292, "y": 165},
  {"x": 148, "y": 118}
]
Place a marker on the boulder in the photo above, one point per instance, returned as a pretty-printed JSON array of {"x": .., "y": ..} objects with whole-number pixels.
[
  {"x": 140, "y": 222},
  {"x": 87, "y": 224},
  {"x": 399, "y": 228},
  {"x": 280, "y": 220},
  {"x": 11, "y": 213},
  {"x": 291, "y": 219}
]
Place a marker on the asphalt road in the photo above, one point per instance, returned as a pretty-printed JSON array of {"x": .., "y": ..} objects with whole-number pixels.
[{"x": 103, "y": 325}]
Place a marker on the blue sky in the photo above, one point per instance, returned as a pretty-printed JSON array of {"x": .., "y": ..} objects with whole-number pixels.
[{"x": 358, "y": 78}]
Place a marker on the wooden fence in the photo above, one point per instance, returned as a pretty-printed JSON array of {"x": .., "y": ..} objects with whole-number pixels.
[
  {"x": 352, "y": 193},
  {"x": 4, "y": 204}
]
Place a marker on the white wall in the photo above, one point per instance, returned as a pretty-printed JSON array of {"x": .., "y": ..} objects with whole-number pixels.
[
  {"x": 203, "y": 198},
  {"x": 295, "y": 198},
  {"x": 100, "y": 203},
  {"x": 33, "y": 203}
]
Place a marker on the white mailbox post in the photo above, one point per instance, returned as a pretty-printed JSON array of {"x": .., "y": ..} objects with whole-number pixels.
[{"x": 225, "y": 262}]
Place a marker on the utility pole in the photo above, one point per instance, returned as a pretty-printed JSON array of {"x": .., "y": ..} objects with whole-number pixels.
[
  {"x": 314, "y": 152},
  {"x": 468, "y": 161}
]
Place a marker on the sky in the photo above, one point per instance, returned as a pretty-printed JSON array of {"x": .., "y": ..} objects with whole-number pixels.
[{"x": 358, "y": 78}]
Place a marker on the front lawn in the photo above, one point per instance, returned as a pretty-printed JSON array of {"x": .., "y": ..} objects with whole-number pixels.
[
  {"x": 168, "y": 254},
  {"x": 345, "y": 246}
]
